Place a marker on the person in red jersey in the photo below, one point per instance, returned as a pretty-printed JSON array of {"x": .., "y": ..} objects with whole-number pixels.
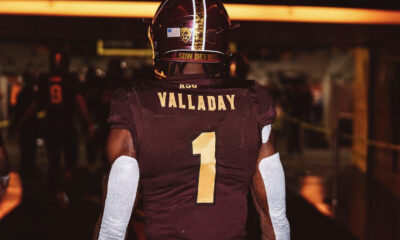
[
  {"x": 196, "y": 141},
  {"x": 59, "y": 95}
]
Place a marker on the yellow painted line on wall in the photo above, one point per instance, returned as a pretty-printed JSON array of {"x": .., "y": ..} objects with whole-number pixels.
[
  {"x": 379, "y": 144},
  {"x": 122, "y": 52}
]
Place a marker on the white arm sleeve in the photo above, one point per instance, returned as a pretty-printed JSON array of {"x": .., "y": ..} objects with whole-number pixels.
[
  {"x": 266, "y": 131},
  {"x": 121, "y": 194},
  {"x": 274, "y": 181}
]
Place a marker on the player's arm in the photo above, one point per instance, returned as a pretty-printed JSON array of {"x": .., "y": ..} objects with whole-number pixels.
[
  {"x": 122, "y": 185},
  {"x": 85, "y": 112},
  {"x": 268, "y": 190},
  {"x": 30, "y": 110}
]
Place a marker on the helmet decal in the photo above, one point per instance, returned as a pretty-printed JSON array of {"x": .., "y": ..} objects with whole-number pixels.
[
  {"x": 199, "y": 24},
  {"x": 191, "y": 56},
  {"x": 186, "y": 34}
]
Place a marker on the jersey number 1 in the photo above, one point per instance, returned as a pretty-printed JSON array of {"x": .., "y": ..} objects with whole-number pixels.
[{"x": 205, "y": 145}]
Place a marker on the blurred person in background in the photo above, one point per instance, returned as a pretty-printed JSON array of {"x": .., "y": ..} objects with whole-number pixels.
[
  {"x": 115, "y": 77},
  {"x": 97, "y": 92},
  {"x": 93, "y": 91},
  {"x": 297, "y": 103},
  {"x": 142, "y": 74},
  {"x": 27, "y": 134},
  {"x": 238, "y": 66},
  {"x": 116, "y": 74},
  {"x": 59, "y": 95}
]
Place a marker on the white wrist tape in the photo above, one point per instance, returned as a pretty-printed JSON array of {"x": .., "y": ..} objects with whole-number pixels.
[
  {"x": 266, "y": 131},
  {"x": 121, "y": 194},
  {"x": 274, "y": 181},
  {"x": 5, "y": 180}
]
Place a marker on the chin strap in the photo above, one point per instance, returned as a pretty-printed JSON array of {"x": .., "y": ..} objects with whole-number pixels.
[{"x": 121, "y": 193}]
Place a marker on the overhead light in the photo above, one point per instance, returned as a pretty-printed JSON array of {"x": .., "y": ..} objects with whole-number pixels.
[
  {"x": 242, "y": 12},
  {"x": 80, "y": 8},
  {"x": 101, "y": 50},
  {"x": 246, "y": 12}
]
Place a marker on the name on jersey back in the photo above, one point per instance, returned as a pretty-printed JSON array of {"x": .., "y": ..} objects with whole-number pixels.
[{"x": 197, "y": 102}]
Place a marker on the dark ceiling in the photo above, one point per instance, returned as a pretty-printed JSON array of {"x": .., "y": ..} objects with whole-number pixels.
[{"x": 34, "y": 28}]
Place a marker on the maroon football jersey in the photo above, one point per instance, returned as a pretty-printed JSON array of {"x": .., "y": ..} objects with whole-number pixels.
[
  {"x": 56, "y": 96},
  {"x": 197, "y": 143}
]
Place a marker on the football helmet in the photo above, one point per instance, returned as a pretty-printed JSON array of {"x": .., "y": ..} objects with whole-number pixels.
[{"x": 189, "y": 31}]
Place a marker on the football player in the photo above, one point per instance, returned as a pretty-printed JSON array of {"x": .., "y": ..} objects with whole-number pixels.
[
  {"x": 195, "y": 140},
  {"x": 59, "y": 95},
  {"x": 28, "y": 132}
]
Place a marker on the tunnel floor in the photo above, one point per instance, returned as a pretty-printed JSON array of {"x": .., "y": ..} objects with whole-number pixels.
[{"x": 311, "y": 216}]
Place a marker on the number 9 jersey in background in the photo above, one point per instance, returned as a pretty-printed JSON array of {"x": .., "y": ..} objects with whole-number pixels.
[
  {"x": 57, "y": 94},
  {"x": 197, "y": 143}
]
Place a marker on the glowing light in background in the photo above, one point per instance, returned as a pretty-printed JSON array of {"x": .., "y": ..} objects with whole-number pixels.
[
  {"x": 312, "y": 190},
  {"x": 80, "y": 8},
  {"x": 13, "y": 195},
  {"x": 312, "y": 14},
  {"x": 244, "y": 12}
]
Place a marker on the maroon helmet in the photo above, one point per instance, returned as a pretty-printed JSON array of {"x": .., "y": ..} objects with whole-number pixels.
[{"x": 189, "y": 31}]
